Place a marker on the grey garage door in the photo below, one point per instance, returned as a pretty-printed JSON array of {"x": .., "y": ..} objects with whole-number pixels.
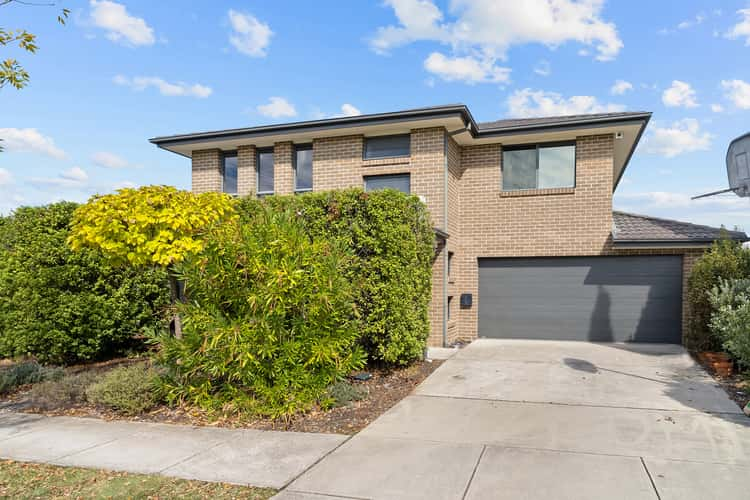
[{"x": 601, "y": 299}]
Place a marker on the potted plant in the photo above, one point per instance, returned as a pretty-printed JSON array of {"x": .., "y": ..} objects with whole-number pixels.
[{"x": 718, "y": 362}]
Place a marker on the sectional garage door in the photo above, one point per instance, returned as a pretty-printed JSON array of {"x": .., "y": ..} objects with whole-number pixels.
[{"x": 601, "y": 299}]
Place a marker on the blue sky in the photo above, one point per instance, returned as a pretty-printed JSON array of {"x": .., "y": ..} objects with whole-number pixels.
[{"x": 121, "y": 72}]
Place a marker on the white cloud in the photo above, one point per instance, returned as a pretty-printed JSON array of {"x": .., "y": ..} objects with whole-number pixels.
[
  {"x": 742, "y": 28},
  {"x": 249, "y": 35},
  {"x": 166, "y": 88},
  {"x": 669, "y": 199},
  {"x": 349, "y": 110},
  {"x": 119, "y": 24},
  {"x": 6, "y": 178},
  {"x": 683, "y": 136},
  {"x": 543, "y": 68},
  {"x": 491, "y": 27},
  {"x": 680, "y": 94},
  {"x": 465, "y": 69},
  {"x": 109, "y": 160},
  {"x": 528, "y": 103},
  {"x": 620, "y": 87},
  {"x": 73, "y": 178},
  {"x": 29, "y": 140},
  {"x": 737, "y": 91},
  {"x": 717, "y": 108},
  {"x": 277, "y": 107}
]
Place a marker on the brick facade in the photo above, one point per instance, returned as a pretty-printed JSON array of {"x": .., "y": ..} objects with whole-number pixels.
[{"x": 461, "y": 187}]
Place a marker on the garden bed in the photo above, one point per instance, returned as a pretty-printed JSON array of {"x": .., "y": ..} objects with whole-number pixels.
[{"x": 382, "y": 391}]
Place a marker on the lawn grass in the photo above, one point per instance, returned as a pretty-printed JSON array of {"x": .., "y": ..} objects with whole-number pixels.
[{"x": 28, "y": 480}]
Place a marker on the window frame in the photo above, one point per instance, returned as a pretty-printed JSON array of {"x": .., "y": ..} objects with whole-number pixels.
[
  {"x": 449, "y": 303},
  {"x": 402, "y": 174},
  {"x": 258, "y": 152},
  {"x": 537, "y": 146},
  {"x": 224, "y": 156},
  {"x": 449, "y": 264},
  {"x": 302, "y": 147},
  {"x": 365, "y": 155}
]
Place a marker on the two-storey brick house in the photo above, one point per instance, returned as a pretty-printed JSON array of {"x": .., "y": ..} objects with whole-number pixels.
[{"x": 528, "y": 245}]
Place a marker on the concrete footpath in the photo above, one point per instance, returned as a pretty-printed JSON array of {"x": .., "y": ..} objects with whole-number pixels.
[{"x": 240, "y": 456}]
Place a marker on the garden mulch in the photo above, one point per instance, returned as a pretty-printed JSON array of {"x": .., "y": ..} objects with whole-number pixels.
[{"x": 383, "y": 390}]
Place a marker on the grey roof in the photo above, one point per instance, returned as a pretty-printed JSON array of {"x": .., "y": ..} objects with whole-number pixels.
[
  {"x": 633, "y": 228},
  {"x": 547, "y": 121}
]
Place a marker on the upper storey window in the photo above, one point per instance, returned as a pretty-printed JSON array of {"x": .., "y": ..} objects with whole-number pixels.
[
  {"x": 387, "y": 146},
  {"x": 539, "y": 166},
  {"x": 265, "y": 172},
  {"x": 399, "y": 182},
  {"x": 229, "y": 173},
  {"x": 303, "y": 165}
]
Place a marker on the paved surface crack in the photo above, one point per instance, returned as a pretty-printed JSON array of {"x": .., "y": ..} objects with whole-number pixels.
[
  {"x": 474, "y": 472},
  {"x": 648, "y": 473},
  {"x": 325, "y": 455}
]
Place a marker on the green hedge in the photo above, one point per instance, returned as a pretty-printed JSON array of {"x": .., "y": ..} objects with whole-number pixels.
[
  {"x": 391, "y": 237},
  {"x": 730, "y": 320},
  {"x": 725, "y": 260},
  {"x": 61, "y": 306},
  {"x": 270, "y": 320}
]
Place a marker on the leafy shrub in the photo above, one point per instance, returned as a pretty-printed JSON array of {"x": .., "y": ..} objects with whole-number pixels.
[
  {"x": 61, "y": 306},
  {"x": 129, "y": 390},
  {"x": 27, "y": 372},
  {"x": 726, "y": 259},
  {"x": 391, "y": 238},
  {"x": 270, "y": 322},
  {"x": 730, "y": 320},
  {"x": 66, "y": 391},
  {"x": 342, "y": 393}
]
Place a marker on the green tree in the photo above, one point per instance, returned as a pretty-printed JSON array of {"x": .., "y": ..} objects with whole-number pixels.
[
  {"x": 11, "y": 71},
  {"x": 150, "y": 226}
]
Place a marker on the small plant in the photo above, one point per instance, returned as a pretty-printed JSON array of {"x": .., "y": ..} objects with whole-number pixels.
[
  {"x": 68, "y": 391},
  {"x": 27, "y": 372},
  {"x": 129, "y": 390},
  {"x": 342, "y": 393}
]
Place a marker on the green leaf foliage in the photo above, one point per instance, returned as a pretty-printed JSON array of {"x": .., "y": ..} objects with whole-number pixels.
[
  {"x": 62, "y": 306},
  {"x": 270, "y": 320},
  {"x": 151, "y": 225},
  {"x": 129, "y": 390},
  {"x": 726, "y": 259},
  {"x": 730, "y": 319},
  {"x": 391, "y": 238}
]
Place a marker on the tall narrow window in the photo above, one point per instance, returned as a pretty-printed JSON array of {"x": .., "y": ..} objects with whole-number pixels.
[
  {"x": 229, "y": 173},
  {"x": 450, "y": 263},
  {"x": 539, "y": 166},
  {"x": 303, "y": 165},
  {"x": 265, "y": 172}
]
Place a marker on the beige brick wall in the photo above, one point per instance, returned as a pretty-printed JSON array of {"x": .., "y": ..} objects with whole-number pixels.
[
  {"x": 206, "y": 175},
  {"x": 246, "y": 170},
  {"x": 482, "y": 221},
  {"x": 283, "y": 168}
]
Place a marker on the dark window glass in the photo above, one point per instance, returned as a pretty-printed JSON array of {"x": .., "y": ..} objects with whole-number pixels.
[
  {"x": 303, "y": 166},
  {"x": 539, "y": 167},
  {"x": 229, "y": 173},
  {"x": 450, "y": 304},
  {"x": 399, "y": 182},
  {"x": 265, "y": 171},
  {"x": 450, "y": 262},
  {"x": 387, "y": 146}
]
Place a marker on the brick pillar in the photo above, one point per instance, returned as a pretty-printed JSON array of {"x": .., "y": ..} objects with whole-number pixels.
[
  {"x": 206, "y": 175},
  {"x": 283, "y": 168},
  {"x": 246, "y": 170}
]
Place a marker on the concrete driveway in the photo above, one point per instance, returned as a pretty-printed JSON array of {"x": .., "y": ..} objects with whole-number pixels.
[{"x": 542, "y": 419}]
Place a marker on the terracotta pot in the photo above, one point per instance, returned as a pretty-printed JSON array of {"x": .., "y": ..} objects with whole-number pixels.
[{"x": 718, "y": 362}]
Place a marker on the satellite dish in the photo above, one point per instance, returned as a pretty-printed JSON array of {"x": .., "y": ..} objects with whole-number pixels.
[{"x": 738, "y": 168}]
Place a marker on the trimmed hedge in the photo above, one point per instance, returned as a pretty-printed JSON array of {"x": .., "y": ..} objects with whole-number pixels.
[
  {"x": 725, "y": 260},
  {"x": 391, "y": 238},
  {"x": 61, "y": 306},
  {"x": 730, "y": 320}
]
